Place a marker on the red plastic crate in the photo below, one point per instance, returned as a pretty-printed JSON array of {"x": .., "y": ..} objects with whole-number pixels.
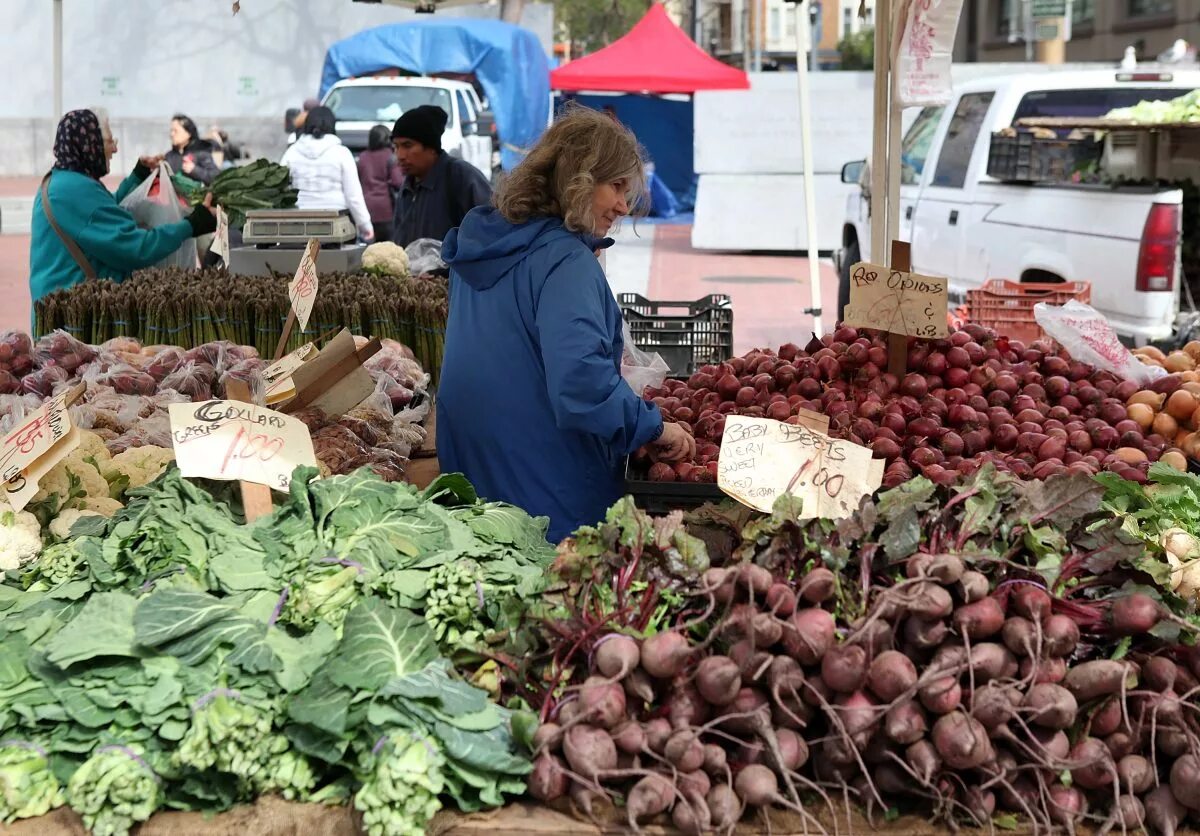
[{"x": 1007, "y": 306}]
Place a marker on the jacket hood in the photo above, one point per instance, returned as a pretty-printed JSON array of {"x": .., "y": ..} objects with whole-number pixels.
[
  {"x": 487, "y": 246},
  {"x": 311, "y": 147}
]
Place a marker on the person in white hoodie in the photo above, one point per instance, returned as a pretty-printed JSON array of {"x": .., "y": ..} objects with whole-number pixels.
[{"x": 324, "y": 172}]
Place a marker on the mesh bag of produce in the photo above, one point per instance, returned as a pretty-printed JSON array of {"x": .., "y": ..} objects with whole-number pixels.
[{"x": 60, "y": 349}]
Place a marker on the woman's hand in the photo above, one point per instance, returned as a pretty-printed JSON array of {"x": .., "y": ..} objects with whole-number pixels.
[
  {"x": 674, "y": 445},
  {"x": 150, "y": 162},
  {"x": 189, "y": 165}
]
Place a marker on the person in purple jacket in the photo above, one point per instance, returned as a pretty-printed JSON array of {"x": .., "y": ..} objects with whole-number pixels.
[{"x": 381, "y": 180}]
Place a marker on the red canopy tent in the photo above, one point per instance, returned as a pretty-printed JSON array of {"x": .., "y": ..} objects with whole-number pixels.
[{"x": 655, "y": 57}]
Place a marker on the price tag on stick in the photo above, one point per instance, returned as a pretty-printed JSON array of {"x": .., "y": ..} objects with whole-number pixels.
[
  {"x": 896, "y": 301},
  {"x": 302, "y": 289},
  {"x": 302, "y": 294},
  {"x": 762, "y": 460},
  {"x": 231, "y": 440},
  {"x": 220, "y": 244}
]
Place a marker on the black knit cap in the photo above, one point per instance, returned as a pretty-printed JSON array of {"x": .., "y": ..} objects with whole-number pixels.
[{"x": 425, "y": 124}]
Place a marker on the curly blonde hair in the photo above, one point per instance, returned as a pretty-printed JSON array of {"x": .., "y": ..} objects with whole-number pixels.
[{"x": 581, "y": 150}]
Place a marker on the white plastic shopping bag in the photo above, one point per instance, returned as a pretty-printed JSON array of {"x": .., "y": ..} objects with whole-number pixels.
[
  {"x": 639, "y": 368},
  {"x": 152, "y": 208},
  {"x": 1086, "y": 335}
]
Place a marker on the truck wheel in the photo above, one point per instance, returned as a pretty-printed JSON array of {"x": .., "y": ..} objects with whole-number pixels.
[{"x": 850, "y": 257}]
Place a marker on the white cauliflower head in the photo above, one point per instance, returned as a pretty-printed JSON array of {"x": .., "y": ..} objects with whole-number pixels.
[
  {"x": 91, "y": 446},
  {"x": 20, "y": 538},
  {"x": 60, "y": 526},
  {"x": 140, "y": 465},
  {"x": 386, "y": 257},
  {"x": 70, "y": 479}
]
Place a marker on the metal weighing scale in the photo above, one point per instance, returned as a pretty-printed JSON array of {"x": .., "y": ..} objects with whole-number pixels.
[{"x": 273, "y": 240}]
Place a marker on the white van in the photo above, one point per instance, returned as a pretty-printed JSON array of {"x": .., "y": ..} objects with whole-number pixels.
[{"x": 362, "y": 103}]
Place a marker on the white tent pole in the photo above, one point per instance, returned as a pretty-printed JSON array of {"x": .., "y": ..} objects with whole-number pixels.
[
  {"x": 879, "y": 141},
  {"x": 58, "y": 60},
  {"x": 803, "y": 42}
]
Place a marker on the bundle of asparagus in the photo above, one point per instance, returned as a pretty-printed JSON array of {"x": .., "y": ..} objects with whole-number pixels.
[{"x": 191, "y": 307}]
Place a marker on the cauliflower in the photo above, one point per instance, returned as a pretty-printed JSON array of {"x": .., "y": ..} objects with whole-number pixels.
[
  {"x": 60, "y": 527},
  {"x": 70, "y": 479},
  {"x": 386, "y": 258},
  {"x": 20, "y": 539},
  {"x": 91, "y": 446},
  {"x": 105, "y": 506},
  {"x": 139, "y": 465}
]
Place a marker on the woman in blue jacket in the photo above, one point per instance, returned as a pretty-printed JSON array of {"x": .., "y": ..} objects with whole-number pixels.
[
  {"x": 95, "y": 238},
  {"x": 531, "y": 405}
]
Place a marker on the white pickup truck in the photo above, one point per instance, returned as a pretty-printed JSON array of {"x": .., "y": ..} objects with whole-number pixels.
[
  {"x": 970, "y": 227},
  {"x": 362, "y": 103}
]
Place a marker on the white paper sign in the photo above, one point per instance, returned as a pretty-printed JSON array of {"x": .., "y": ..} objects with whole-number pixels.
[
  {"x": 762, "y": 460},
  {"x": 230, "y": 440},
  {"x": 22, "y": 488},
  {"x": 921, "y": 72},
  {"x": 302, "y": 289},
  {"x": 220, "y": 244}
]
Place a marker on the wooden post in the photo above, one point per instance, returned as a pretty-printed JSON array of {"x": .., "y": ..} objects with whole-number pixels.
[
  {"x": 898, "y": 343},
  {"x": 256, "y": 499}
]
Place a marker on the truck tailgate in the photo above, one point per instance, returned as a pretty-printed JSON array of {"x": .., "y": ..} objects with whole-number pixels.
[{"x": 1080, "y": 233}]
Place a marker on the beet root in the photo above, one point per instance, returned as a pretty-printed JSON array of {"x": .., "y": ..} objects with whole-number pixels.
[
  {"x": 891, "y": 674},
  {"x": 718, "y": 680},
  {"x": 961, "y": 741},
  {"x": 548, "y": 780},
  {"x": 650, "y": 796},
  {"x": 844, "y": 668},
  {"x": 664, "y": 654},
  {"x": 809, "y": 635},
  {"x": 589, "y": 750},
  {"x": 616, "y": 655}
]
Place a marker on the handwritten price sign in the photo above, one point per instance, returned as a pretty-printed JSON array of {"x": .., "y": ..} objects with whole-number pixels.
[
  {"x": 302, "y": 289},
  {"x": 762, "y": 460},
  {"x": 231, "y": 440},
  {"x": 898, "y": 302},
  {"x": 33, "y": 447},
  {"x": 220, "y": 244}
]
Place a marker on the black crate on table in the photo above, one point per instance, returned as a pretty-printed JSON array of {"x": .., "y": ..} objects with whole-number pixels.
[
  {"x": 687, "y": 335},
  {"x": 1027, "y": 158},
  {"x": 664, "y": 497}
]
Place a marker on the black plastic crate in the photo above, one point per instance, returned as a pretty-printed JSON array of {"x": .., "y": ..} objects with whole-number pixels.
[
  {"x": 665, "y": 497},
  {"x": 1028, "y": 158},
  {"x": 687, "y": 335}
]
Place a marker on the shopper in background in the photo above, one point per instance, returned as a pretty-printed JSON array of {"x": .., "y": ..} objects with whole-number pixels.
[
  {"x": 190, "y": 155},
  {"x": 439, "y": 190},
  {"x": 532, "y": 407},
  {"x": 381, "y": 179},
  {"x": 297, "y": 125},
  {"x": 324, "y": 173},
  {"x": 79, "y": 229}
]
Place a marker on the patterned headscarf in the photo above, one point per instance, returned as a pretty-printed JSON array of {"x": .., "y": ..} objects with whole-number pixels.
[{"x": 79, "y": 144}]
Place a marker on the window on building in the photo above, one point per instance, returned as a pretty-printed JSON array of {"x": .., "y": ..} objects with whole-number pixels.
[
  {"x": 847, "y": 21},
  {"x": 955, "y": 156},
  {"x": 1083, "y": 11},
  {"x": 1148, "y": 8},
  {"x": 789, "y": 22},
  {"x": 1008, "y": 18},
  {"x": 776, "y": 29},
  {"x": 869, "y": 20}
]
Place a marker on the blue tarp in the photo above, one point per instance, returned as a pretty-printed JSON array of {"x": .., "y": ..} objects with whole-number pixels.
[
  {"x": 507, "y": 60},
  {"x": 664, "y": 128}
]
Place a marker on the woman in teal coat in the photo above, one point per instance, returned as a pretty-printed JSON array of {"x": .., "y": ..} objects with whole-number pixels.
[{"x": 110, "y": 243}]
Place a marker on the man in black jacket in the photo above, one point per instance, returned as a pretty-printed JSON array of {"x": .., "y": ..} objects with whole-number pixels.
[{"x": 439, "y": 190}]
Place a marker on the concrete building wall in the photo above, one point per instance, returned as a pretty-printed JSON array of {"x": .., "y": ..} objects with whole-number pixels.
[
  {"x": 147, "y": 59},
  {"x": 991, "y": 30}
]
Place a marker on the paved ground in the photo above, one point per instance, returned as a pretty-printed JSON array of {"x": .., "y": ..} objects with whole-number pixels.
[{"x": 768, "y": 292}]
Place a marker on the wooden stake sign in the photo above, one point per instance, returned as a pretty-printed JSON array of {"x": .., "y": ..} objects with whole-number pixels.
[
  {"x": 302, "y": 293},
  {"x": 901, "y": 303}
]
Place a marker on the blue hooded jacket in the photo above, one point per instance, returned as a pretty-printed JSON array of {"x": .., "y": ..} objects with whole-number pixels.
[{"x": 531, "y": 404}]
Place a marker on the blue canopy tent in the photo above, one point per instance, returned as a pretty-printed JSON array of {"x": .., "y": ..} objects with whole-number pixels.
[{"x": 507, "y": 60}]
